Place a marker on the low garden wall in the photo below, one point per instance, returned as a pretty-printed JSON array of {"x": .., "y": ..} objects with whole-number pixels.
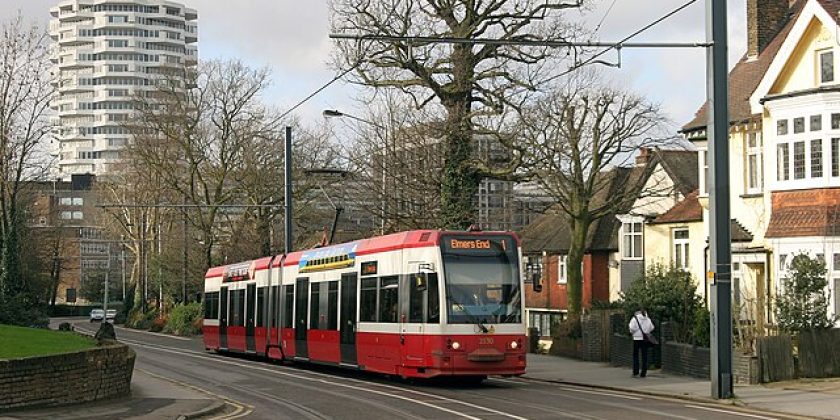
[
  {"x": 686, "y": 359},
  {"x": 84, "y": 376}
]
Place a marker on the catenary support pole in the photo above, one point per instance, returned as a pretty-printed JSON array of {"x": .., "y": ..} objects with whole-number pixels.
[
  {"x": 288, "y": 190},
  {"x": 720, "y": 270}
]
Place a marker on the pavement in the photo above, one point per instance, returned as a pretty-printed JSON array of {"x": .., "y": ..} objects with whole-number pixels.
[{"x": 805, "y": 397}]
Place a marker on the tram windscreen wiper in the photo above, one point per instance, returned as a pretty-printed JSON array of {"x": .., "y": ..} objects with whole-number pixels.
[{"x": 470, "y": 316}]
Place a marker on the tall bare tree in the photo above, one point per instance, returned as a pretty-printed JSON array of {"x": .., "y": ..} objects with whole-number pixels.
[
  {"x": 471, "y": 85},
  {"x": 576, "y": 135},
  {"x": 194, "y": 137},
  {"x": 25, "y": 90}
]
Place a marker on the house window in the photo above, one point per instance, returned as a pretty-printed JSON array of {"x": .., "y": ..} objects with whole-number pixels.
[
  {"x": 543, "y": 321},
  {"x": 835, "y": 262},
  {"x": 835, "y": 121},
  {"x": 65, "y": 201},
  {"x": 66, "y": 215},
  {"x": 816, "y": 122},
  {"x": 754, "y": 173},
  {"x": 782, "y": 127},
  {"x": 816, "y": 159},
  {"x": 533, "y": 264},
  {"x": 826, "y": 66},
  {"x": 681, "y": 248},
  {"x": 78, "y": 201},
  {"x": 799, "y": 125},
  {"x": 782, "y": 162},
  {"x": 77, "y": 215},
  {"x": 799, "y": 160},
  {"x": 632, "y": 240},
  {"x": 836, "y": 296},
  {"x": 561, "y": 269},
  {"x": 782, "y": 262},
  {"x": 70, "y": 295},
  {"x": 835, "y": 157}
]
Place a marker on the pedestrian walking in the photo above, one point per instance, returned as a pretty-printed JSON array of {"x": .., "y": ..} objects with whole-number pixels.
[{"x": 640, "y": 327}]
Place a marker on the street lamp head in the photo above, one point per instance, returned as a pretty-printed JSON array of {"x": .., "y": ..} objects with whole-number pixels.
[{"x": 328, "y": 113}]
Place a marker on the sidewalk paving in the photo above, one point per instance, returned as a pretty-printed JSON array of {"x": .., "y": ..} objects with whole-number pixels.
[
  {"x": 813, "y": 398},
  {"x": 151, "y": 398}
]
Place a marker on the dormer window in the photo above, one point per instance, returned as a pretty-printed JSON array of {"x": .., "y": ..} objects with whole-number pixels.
[{"x": 826, "y": 62}]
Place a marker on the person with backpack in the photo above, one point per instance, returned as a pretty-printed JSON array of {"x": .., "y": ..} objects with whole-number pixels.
[{"x": 641, "y": 327}]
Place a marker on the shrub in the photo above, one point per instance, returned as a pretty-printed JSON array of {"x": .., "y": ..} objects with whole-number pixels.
[
  {"x": 185, "y": 319},
  {"x": 669, "y": 294},
  {"x": 803, "y": 302},
  {"x": 22, "y": 312},
  {"x": 702, "y": 328},
  {"x": 158, "y": 324},
  {"x": 65, "y": 326},
  {"x": 141, "y": 321}
]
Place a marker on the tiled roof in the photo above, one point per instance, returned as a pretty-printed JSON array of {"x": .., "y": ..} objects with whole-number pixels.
[
  {"x": 687, "y": 210},
  {"x": 747, "y": 73},
  {"x": 739, "y": 233},
  {"x": 681, "y": 166},
  {"x": 813, "y": 220}
]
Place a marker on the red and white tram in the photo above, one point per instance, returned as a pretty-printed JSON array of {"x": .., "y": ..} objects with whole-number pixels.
[{"x": 422, "y": 303}]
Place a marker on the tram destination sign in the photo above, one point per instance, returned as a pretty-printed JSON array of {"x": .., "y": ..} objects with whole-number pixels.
[{"x": 476, "y": 244}]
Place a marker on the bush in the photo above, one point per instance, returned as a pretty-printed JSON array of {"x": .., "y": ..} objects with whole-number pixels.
[
  {"x": 22, "y": 312},
  {"x": 669, "y": 294},
  {"x": 803, "y": 302},
  {"x": 702, "y": 328},
  {"x": 141, "y": 321},
  {"x": 185, "y": 319},
  {"x": 65, "y": 326},
  {"x": 158, "y": 324}
]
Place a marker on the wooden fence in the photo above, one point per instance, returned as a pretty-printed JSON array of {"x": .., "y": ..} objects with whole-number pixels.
[
  {"x": 775, "y": 358},
  {"x": 819, "y": 353}
]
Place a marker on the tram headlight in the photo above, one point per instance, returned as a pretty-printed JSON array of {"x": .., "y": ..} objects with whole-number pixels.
[
  {"x": 456, "y": 345},
  {"x": 514, "y": 345}
]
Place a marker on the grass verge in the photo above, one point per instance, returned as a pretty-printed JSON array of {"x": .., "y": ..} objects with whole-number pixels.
[{"x": 16, "y": 342}]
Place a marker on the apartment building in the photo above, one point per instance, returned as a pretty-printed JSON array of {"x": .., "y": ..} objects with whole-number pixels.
[{"x": 105, "y": 54}]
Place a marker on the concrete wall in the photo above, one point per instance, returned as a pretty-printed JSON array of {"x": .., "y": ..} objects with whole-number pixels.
[{"x": 84, "y": 376}]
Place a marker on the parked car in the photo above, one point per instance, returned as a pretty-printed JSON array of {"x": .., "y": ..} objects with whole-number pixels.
[
  {"x": 110, "y": 314},
  {"x": 97, "y": 315}
]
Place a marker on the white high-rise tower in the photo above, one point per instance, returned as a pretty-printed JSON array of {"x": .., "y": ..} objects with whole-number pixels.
[{"x": 105, "y": 53}]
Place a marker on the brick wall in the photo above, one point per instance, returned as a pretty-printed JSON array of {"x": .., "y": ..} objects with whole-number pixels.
[
  {"x": 744, "y": 368},
  {"x": 84, "y": 376},
  {"x": 685, "y": 359}
]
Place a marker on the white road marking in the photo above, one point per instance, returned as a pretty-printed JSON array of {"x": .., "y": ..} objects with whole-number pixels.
[
  {"x": 732, "y": 413},
  {"x": 373, "y": 391},
  {"x": 606, "y": 394}
]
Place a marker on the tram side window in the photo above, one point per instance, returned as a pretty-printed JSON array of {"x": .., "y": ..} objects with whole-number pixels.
[
  {"x": 389, "y": 299},
  {"x": 261, "y": 306},
  {"x": 367, "y": 306},
  {"x": 233, "y": 316},
  {"x": 211, "y": 305},
  {"x": 241, "y": 312},
  {"x": 288, "y": 305},
  {"x": 433, "y": 303},
  {"x": 332, "y": 306},
  {"x": 315, "y": 306},
  {"x": 275, "y": 308}
]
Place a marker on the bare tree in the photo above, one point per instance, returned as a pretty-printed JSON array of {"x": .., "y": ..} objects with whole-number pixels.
[
  {"x": 576, "y": 135},
  {"x": 25, "y": 90},
  {"x": 194, "y": 137},
  {"x": 472, "y": 85}
]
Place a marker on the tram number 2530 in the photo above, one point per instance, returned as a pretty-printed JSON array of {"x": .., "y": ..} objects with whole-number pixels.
[{"x": 485, "y": 340}]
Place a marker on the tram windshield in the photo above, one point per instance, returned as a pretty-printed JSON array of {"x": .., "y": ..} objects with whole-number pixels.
[{"x": 482, "y": 280}]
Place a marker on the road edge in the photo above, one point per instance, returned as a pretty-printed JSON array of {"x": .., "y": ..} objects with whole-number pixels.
[{"x": 735, "y": 404}]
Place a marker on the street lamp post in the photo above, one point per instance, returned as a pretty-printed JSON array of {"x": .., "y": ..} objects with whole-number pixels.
[{"x": 334, "y": 113}]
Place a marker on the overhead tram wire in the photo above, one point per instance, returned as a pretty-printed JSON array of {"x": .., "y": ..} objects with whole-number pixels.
[
  {"x": 544, "y": 43},
  {"x": 621, "y": 43}
]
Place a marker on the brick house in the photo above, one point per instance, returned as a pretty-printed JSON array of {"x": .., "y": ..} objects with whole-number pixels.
[{"x": 614, "y": 255}]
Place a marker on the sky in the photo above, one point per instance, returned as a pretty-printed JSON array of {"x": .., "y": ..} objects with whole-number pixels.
[{"x": 290, "y": 37}]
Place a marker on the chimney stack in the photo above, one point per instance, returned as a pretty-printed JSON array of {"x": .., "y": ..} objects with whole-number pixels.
[{"x": 764, "y": 20}]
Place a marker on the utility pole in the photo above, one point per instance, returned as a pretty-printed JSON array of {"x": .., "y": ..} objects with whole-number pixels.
[
  {"x": 720, "y": 270},
  {"x": 288, "y": 200},
  {"x": 186, "y": 254},
  {"x": 107, "y": 277},
  {"x": 122, "y": 260}
]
